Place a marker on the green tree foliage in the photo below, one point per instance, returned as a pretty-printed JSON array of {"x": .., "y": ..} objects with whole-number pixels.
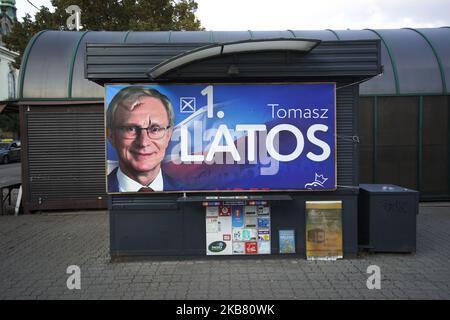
[
  {"x": 107, "y": 15},
  {"x": 9, "y": 122}
]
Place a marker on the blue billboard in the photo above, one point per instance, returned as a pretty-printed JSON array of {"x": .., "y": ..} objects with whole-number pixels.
[{"x": 220, "y": 137}]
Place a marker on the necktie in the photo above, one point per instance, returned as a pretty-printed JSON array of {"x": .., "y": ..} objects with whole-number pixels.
[{"x": 146, "y": 189}]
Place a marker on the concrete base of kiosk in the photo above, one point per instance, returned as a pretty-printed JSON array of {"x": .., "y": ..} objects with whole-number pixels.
[{"x": 170, "y": 225}]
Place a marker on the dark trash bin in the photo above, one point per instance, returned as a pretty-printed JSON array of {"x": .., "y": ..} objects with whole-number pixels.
[{"x": 387, "y": 218}]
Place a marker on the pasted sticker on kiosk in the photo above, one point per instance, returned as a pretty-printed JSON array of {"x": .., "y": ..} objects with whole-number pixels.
[
  {"x": 263, "y": 222},
  {"x": 212, "y": 225},
  {"x": 212, "y": 211},
  {"x": 237, "y": 234},
  {"x": 263, "y": 235},
  {"x": 251, "y": 221},
  {"x": 224, "y": 211},
  {"x": 263, "y": 210},
  {"x": 224, "y": 225},
  {"x": 238, "y": 247},
  {"x": 238, "y": 217},
  {"x": 215, "y": 245},
  {"x": 249, "y": 234},
  {"x": 250, "y": 210},
  {"x": 251, "y": 247},
  {"x": 264, "y": 247}
]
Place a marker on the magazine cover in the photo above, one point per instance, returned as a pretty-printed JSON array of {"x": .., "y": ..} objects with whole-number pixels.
[
  {"x": 324, "y": 230},
  {"x": 287, "y": 241}
]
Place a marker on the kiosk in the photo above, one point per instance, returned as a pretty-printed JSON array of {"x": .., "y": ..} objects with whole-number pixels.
[{"x": 188, "y": 220}]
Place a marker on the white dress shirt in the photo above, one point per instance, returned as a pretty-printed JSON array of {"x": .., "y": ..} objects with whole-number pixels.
[{"x": 127, "y": 184}]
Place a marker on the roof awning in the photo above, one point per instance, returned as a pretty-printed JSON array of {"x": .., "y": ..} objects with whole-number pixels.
[{"x": 214, "y": 50}]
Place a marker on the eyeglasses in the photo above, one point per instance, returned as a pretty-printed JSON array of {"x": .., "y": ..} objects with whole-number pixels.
[{"x": 153, "y": 132}]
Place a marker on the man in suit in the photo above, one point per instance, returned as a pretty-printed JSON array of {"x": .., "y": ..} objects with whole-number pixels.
[{"x": 139, "y": 125}]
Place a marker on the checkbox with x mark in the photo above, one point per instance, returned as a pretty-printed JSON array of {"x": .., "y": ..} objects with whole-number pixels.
[{"x": 187, "y": 105}]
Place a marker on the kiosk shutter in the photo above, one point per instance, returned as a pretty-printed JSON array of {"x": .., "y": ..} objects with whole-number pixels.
[
  {"x": 346, "y": 126},
  {"x": 66, "y": 153}
]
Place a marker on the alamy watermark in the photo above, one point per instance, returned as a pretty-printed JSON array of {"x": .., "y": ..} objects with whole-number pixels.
[
  {"x": 374, "y": 281},
  {"x": 74, "y": 280},
  {"x": 74, "y": 20}
]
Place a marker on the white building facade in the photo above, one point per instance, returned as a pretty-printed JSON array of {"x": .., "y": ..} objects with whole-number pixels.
[{"x": 8, "y": 74}]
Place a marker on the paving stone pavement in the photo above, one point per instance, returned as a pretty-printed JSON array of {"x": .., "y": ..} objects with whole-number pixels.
[{"x": 35, "y": 251}]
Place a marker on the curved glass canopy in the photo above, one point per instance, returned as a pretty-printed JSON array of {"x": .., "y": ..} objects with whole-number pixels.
[{"x": 416, "y": 61}]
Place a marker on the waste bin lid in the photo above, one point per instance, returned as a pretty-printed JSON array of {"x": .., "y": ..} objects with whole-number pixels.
[{"x": 381, "y": 188}]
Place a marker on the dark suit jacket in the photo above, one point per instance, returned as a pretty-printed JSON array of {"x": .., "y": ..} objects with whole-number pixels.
[{"x": 113, "y": 184}]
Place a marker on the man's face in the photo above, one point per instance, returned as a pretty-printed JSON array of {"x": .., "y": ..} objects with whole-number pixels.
[{"x": 140, "y": 155}]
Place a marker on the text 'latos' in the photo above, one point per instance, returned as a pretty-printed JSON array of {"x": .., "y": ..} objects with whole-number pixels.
[{"x": 271, "y": 143}]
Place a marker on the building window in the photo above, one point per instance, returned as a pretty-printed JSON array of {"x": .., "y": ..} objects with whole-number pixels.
[
  {"x": 11, "y": 85},
  {"x": 7, "y": 29}
]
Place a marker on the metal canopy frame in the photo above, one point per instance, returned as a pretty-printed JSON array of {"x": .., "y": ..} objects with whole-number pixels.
[{"x": 218, "y": 49}]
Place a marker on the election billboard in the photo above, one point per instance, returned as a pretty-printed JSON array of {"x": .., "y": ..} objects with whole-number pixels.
[{"x": 220, "y": 137}]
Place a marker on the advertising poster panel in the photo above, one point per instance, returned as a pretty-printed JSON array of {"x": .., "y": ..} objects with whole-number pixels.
[
  {"x": 324, "y": 230},
  {"x": 240, "y": 231},
  {"x": 210, "y": 137}
]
